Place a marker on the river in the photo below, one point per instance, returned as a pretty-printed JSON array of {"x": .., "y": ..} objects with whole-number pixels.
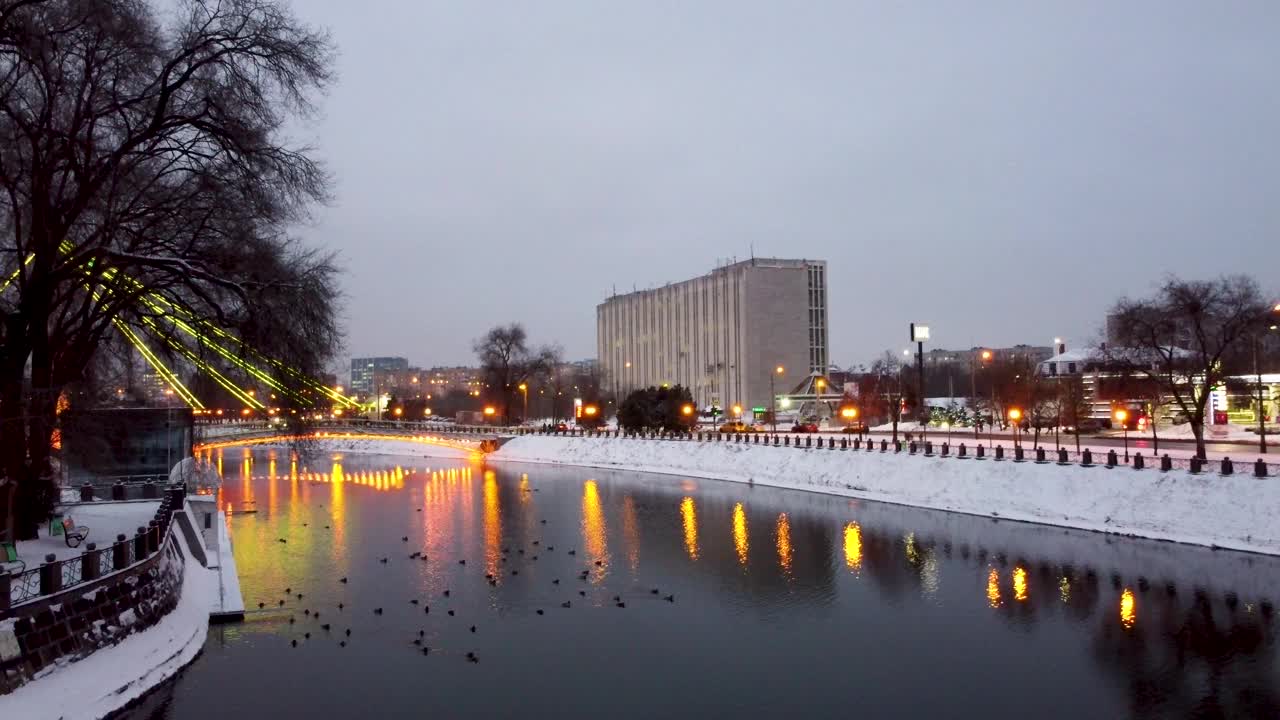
[{"x": 589, "y": 593}]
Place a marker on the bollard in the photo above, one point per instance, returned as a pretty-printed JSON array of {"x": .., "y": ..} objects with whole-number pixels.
[
  {"x": 1112, "y": 460},
  {"x": 1018, "y": 454},
  {"x": 963, "y": 452},
  {"x": 149, "y": 490},
  {"x": 945, "y": 449},
  {"x": 140, "y": 544},
  {"x": 1260, "y": 469},
  {"x": 1196, "y": 465},
  {"x": 982, "y": 453},
  {"x": 857, "y": 443},
  {"x": 808, "y": 441},
  {"x": 1227, "y": 467},
  {"x": 819, "y": 443},
  {"x": 928, "y": 447},
  {"x": 1166, "y": 463},
  {"x": 1086, "y": 458},
  {"x": 897, "y": 446},
  {"x": 90, "y": 562},
  {"x": 844, "y": 444},
  {"x": 787, "y": 441},
  {"x": 117, "y": 491},
  {"x": 1062, "y": 456},
  {"x": 911, "y": 447},
  {"x": 120, "y": 552},
  {"x": 50, "y": 575},
  {"x": 1040, "y": 456},
  {"x": 1138, "y": 462},
  {"x": 999, "y": 452},
  {"x": 86, "y": 493},
  {"x": 884, "y": 446},
  {"x": 777, "y": 441}
]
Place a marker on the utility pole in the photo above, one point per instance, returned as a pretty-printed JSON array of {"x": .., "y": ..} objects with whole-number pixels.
[{"x": 1262, "y": 411}]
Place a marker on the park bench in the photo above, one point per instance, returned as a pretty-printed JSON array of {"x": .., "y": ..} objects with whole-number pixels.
[
  {"x": 71, "y": 534},
  {"x": 9, "y": 561}
]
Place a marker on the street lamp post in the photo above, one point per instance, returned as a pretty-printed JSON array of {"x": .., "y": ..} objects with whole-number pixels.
[
  {"x": 1015, "y": 415},
  {"x": 920, "y": 333},
  {"x": 1122, "y": 416},
  {"x": 524, "y": 390},
  {"x": 820, "y": 384},
  {"x": 773, "y": 397}
]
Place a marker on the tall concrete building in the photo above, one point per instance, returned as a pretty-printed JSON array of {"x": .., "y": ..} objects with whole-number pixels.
[
  {"x": 364, "y": 370},
  {"x": 722, "y": 335}
]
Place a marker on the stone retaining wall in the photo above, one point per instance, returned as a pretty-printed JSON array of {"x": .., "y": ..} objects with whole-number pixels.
[{"x": 68, "y": 626}]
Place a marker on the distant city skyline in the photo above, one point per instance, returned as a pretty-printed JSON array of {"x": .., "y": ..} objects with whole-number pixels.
[{"x": 1002, "y": 172}]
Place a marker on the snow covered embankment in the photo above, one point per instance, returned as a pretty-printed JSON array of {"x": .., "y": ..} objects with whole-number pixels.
[{"x": 1236, "y": 512}]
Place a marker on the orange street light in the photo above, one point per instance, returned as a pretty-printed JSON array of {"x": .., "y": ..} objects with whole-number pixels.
[
  {"x": 848, "y": 413},
  {"x": 490, "y": 410},
  {"x": 1121, "y": 416},
  {"x": 1015, "y": 414},
  {"x": 1276, "y": 309},
  {"x": 399, "y": 412},
  {"x": 779, "y": 370},
  {"x": 986, "y": 354},
  {"x": 337, "y": 412},
  {"x": 686, "y": 409},
  {"x": 737, "y": 410},
  {"x": 427, "y": 412},
  {"x": 590, "y": 410}
]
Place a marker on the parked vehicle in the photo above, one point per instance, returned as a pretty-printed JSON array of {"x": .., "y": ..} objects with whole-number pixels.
[
  {"x": 856, "y": 428},
  {"x": 1087, "y": 425},
  {"x": 805, "y": 427},
  {"x": 736, "y": 427}
]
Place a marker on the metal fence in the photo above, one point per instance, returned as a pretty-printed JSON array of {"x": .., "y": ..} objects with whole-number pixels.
[{"x": 53, "y": 576}]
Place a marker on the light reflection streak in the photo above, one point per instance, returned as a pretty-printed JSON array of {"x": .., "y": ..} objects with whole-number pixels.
[
  {"x": 689, "y": 518},
  {"x": 1020, "y": 584},
  {"x": 1128, "y": 609},
  {"x": 853, "y": 546},
  {"x": 631, "y": 533},
  {"x": 993, "y": 588},
  {"x": 740, "y": 540},
  {"x": 784, "y": 542},
  {"x": 492, "y": 523},
  {"x": 593, "y": 526}
]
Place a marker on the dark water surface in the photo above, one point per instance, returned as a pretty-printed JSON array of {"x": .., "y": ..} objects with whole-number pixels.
[{"x": 786, "y": 604}]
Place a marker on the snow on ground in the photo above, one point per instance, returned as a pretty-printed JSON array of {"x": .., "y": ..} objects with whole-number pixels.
[
  {"x": 408, "y": 447},
  {"x": 110, "y": 678},
  {"x": 104, "y": 520},
  {"x": 1234, "y": 512}
]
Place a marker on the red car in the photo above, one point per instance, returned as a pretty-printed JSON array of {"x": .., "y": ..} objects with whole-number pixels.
[{"x": 805, "y": 427}]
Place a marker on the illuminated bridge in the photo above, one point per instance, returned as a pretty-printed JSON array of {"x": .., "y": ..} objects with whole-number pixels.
[{"x": 211, "y": 436}]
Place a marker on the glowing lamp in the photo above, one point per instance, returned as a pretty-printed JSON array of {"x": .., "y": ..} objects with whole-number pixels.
[
  {"x": 737, "y": 409},
  {"x": 489, "y": 410},
  {"x": 590, "y": 410},
  {"x": 848, "y": 413},
  {"x": 1015, "y": 414},
  {"x": 1122, "y": 415},
  {"x": 687, "y": 409}
]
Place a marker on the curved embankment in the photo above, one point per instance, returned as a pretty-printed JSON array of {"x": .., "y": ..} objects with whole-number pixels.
[{"x": 1236, "y": 512}]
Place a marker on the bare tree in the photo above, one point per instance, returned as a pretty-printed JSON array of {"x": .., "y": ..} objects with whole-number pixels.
[
  {"x": 887, "y": 387},
  {"x": 1073, "y": 403},
  {"x": 145, "y": 184},
  {"x": 507, "y": 361},
  {"x": 1179, "y": 337}
]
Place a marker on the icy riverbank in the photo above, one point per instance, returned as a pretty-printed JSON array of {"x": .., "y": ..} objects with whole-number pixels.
[{"x": 1234, "y": 512}]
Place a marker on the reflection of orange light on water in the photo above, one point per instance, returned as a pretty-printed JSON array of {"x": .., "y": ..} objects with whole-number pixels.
[
  {"x": 689, "y": 517},
  {"x": 784, "y": 542},
  {"x": 492, "y": 523},
  {"x": 631, "y": 532},
  {"x": 1020, "y": 584},
  {"x": 740, "y": 541},
  {"x": 853, "y": 545},
  {"x": 993, "y": 588},
  {"x": 1128, "y": 609},
  {"x": 593, "y": 525}
]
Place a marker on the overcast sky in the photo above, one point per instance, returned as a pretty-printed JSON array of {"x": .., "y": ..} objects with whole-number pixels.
[{"x": 1001, "y": 171}]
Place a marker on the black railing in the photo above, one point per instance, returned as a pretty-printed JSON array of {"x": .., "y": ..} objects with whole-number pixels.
[{"x": 54, "y": 576}]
